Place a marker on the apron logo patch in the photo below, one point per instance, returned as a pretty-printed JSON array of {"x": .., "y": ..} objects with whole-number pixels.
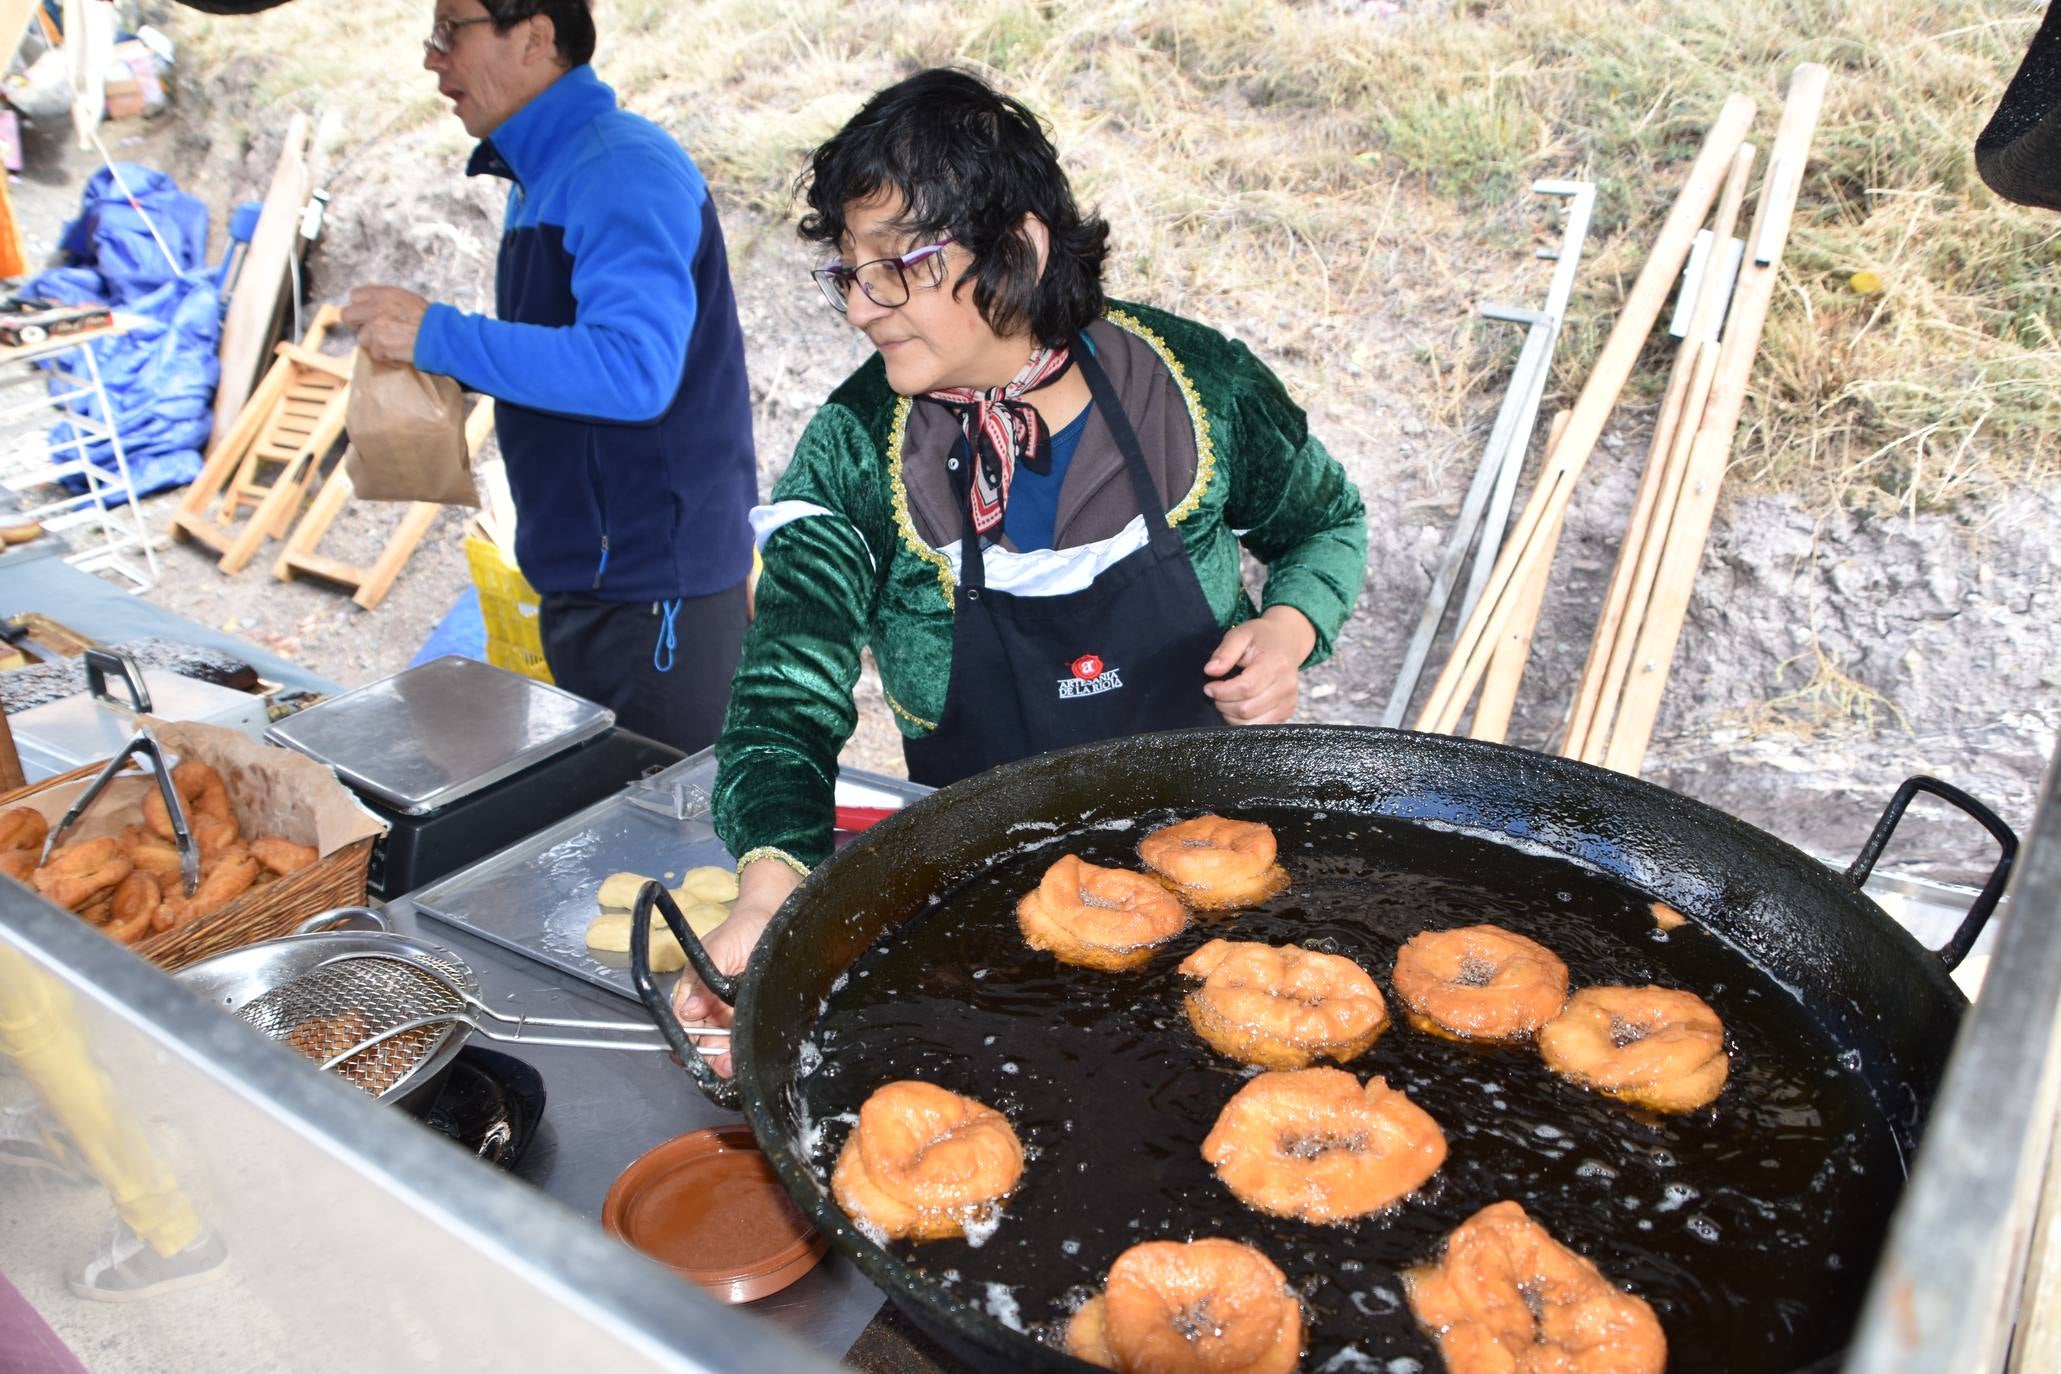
[{"x": 1091, "y": 677}]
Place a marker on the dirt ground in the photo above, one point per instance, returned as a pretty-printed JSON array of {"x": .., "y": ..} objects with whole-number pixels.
[{"x": 1945, "y": 620}]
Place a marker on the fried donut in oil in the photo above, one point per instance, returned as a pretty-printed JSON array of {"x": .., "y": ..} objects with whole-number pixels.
[
  {"x": 924, "y": 1161},
  {"x": 1104, "y": 918},
  {"x": 23, "y": 828},
  {"x": 1479, "y": 983},
  {"x": 1316, "y": 1145},
  {"x": 1281, "y": 1007},
  {"x": 204, "y": 793},
  {"x": 1204, "y": 1307},
  {"x": 1214, "y": 862},
  {"x": 1660, "y": 1048},
  {"x": 77, "y": 873},
  {"x": 1507, "y": 1298}
]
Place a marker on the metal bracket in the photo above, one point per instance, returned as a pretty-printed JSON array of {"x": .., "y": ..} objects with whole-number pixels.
[{"x": 1485, "y": 512}]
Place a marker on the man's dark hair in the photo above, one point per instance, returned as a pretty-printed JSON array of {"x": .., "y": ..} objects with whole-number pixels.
[
  {"x": 969, "y": 162},
  {"x": 573, "y": 20}
]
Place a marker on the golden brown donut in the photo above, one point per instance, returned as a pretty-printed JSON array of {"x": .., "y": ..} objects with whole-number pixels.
[
  {"x": 77, "y": 873},
  {"x": 1104, "y": 918},
  {"x": 1656, "y": 1047},
  {"x": 1281, "y": 1007},
  {"x": 1214, "y": 862},
  {"x": 135, "y": 906},
  {"x": 1507, "y": 1298},
  {"x": 19, "y": 864},
  {"x": 1315, "y": 1145},
  {"x": 1204, "y": 1307},
  {"x": 1479, "y": 983},
  {"x": 923, "y": 1162},
  {"x": 160, "y": 861},
  {"x": 283, "y": 856},
  {"x": 23, "y": 828},
  {"x": 220, "y": 885},
  {"x": 201, "y": 788}
]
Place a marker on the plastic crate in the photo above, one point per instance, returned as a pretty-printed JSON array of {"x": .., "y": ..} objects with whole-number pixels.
[{"x": 508, "y": 605}]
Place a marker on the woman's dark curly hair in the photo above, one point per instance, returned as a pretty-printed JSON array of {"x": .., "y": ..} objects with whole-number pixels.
[{"x": 969, "y": 162}]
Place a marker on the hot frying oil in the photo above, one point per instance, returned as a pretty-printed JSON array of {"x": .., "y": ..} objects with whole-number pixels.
[{"x": 1750, "y": 1226}]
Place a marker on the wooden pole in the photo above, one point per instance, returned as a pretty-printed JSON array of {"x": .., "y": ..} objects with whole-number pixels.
[
  {"x": 1595, "y": 700},
  {"x": 1506, "y": 665},
  {"x": 1527, "y": 549},
  {"x": 1711, "y": 448}
]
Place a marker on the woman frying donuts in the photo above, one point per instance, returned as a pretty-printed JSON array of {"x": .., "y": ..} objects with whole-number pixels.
[{"x": 1030, "y": 503}]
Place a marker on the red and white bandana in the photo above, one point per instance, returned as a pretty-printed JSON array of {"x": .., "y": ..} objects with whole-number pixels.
[{"x": 1002, "y": 430}]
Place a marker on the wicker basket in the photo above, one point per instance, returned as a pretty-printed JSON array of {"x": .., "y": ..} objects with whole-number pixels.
[
  {"x": 508, "y": 605},
  {"x": 263, "y": 913}
]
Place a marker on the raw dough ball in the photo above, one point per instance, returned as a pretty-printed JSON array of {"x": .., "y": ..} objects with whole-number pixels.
[
  {"x": 611, "y": 932},
  {"x": 619, "y": 891},
  {"x": 702, "y": 917},
  {"x": 709, "y": 883}
]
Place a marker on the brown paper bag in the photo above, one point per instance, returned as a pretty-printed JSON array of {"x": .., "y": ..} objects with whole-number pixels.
[{"x": 407, "y": 432}]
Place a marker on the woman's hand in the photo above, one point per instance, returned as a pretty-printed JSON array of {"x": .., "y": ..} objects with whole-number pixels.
[
  {"x": 1268, "y": 654},
  {"x": 761, "y": 887}
]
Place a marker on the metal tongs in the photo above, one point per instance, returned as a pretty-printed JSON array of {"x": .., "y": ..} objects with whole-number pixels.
[{"x": 143, "y": 743}]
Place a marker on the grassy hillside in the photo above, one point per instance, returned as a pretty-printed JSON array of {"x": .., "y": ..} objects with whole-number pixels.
[{"x": 1254, "y": 157}]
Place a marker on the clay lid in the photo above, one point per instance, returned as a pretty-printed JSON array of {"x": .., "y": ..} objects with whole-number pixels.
[{"x": 708, "y": 1206}]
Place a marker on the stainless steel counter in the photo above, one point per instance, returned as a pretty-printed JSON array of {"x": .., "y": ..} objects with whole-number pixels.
[{"x": 603, "y": 1109}]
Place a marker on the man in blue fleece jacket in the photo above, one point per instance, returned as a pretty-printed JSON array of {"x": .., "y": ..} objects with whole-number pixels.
[{"x": 616, "y": 360}]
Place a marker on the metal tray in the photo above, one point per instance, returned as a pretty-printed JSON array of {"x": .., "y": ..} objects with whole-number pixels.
[{"x": 538, "y": 896}]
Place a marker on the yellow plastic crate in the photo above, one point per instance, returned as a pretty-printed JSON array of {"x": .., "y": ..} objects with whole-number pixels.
[{"x": 508, "y": 605}]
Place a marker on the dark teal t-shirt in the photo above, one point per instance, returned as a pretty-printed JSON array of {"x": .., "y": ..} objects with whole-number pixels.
[{"x": 1033, "y": 508}]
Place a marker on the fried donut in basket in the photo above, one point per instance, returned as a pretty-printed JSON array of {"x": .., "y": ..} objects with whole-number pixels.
[
  {"x": 1202, "y": 1307},
  {"x": 1215, "y": 863},
  {"x": 1281, "y": 1007},
  {"x": 923, "y": 1162},
  {"x": 1317, "y": 1146},
  {"x": 77, "y": 873},
  {"x": 23, "y": 828},
  {"x": 1507, "y": 1298},
  {"x": 1659, "y": 1048},
  {"x": 1479, "y": 982},
  {"x": 1103, "y": 918}
]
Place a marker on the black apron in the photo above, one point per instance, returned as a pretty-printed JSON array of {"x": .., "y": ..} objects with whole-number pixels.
[{"x": 1122, "y": 656}]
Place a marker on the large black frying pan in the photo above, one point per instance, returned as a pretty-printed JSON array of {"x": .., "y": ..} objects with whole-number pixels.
[{"x": 1886, "y": 1000}]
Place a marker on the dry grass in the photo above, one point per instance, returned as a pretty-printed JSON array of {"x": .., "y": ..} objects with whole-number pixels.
[{"x": 1251, "y": 156}]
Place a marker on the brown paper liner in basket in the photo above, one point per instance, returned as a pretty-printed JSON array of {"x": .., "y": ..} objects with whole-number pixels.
[{"x": 274, "y": 908}]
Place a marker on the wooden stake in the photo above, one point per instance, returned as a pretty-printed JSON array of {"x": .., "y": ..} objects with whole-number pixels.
[
  {"x": 1506, "y": 665},
  {"x": 1595, "y": 700},
  {"x": 1711, "y": 449},
  {"x": 1528, "y": 552}
]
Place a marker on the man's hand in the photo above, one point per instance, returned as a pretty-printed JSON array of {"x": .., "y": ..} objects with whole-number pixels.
[
  {"x": 386, "y": 319},
  {"x": 761, "y": 888},
  {"x": 1268, "y": 654}
]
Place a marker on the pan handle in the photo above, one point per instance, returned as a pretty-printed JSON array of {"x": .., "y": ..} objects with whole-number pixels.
[
  {"x": 1956, "y": 949},
  {"x": 724, "y": 1092}
]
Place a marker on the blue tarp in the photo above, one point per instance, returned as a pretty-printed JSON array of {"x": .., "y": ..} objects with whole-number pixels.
[
  {"x": 160, "y": 376},
  {"x": 462, "y": 631}
]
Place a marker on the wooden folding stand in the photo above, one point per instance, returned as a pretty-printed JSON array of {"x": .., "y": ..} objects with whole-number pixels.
[
  {"x": 371, "y": 583},
  {"x": 292, "y": 419}
]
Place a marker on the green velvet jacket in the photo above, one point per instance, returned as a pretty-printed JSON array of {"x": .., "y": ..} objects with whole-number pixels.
[{"x": 847, "y": 566}]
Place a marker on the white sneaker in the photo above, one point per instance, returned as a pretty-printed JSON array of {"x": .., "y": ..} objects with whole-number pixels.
[
  {"x": 128, "y": 1268},
  {"x": 30, "y": 1140}
]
